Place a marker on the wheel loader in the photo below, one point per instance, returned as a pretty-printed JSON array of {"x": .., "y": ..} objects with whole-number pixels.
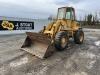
[{"x": 55, "y": 36}]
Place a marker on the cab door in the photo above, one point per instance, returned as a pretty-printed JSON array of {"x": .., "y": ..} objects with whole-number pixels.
[
  {"x": 73, "y": 20},
  {"x": 68, "y": 18}
]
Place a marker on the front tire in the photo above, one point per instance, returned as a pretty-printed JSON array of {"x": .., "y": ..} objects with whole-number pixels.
[
  {"x": 79, "y": 37},
  {"x": 61, "y": 40}
]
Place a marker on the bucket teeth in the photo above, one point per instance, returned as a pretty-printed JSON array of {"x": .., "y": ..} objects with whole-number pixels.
[{"x": 38, "y": 44}]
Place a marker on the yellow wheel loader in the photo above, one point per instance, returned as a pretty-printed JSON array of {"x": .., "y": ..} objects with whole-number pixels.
[{"x": 55, "y": 36}]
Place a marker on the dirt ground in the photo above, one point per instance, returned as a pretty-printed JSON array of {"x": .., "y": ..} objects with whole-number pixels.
[{"x": 81, "y": 59}]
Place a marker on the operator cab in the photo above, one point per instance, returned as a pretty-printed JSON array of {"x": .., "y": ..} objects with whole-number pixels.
[{"x": 67, "y": 13}]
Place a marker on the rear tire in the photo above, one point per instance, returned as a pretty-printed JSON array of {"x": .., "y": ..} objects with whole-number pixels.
[
  {"x": 79, "y": 37},
  {"x": 61, "y": 40}
]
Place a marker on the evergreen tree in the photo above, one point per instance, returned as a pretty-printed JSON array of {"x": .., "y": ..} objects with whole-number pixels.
[{"x": 89, "y": 19}]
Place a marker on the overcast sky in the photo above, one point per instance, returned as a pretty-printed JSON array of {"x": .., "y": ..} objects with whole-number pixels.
[{"x": 45, "y": 8}]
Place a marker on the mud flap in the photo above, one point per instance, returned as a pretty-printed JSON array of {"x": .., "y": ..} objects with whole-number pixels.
[{"x": 38, "y": 44}]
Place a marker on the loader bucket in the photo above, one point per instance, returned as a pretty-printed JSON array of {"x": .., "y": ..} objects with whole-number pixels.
[{"x": 38, "y": 44}]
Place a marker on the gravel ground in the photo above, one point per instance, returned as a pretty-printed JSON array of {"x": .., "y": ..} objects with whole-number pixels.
[{"x": 81, "y": 59}]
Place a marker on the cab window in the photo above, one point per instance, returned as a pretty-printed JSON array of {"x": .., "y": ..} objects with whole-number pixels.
[
  {"x": 68, "y": 14},
  {"x": 61, "y": 13},
  {"x": 73, "y": 16}
]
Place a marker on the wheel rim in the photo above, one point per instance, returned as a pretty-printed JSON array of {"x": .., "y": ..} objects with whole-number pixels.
[
  {"x": 64, "y": 41},
  {"x": 81, "y": 37}
]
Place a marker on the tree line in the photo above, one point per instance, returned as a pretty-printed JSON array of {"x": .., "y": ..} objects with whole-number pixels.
[
  {"x": 86, "y": 20},
  {"x": 90, "y": 19}
]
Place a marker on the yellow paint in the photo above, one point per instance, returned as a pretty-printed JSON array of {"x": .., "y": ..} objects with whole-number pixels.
[
  {"x": 8, "y": 25},
  {"x": 67, "y": 25},
  {"x": 64, "y": 41}
]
